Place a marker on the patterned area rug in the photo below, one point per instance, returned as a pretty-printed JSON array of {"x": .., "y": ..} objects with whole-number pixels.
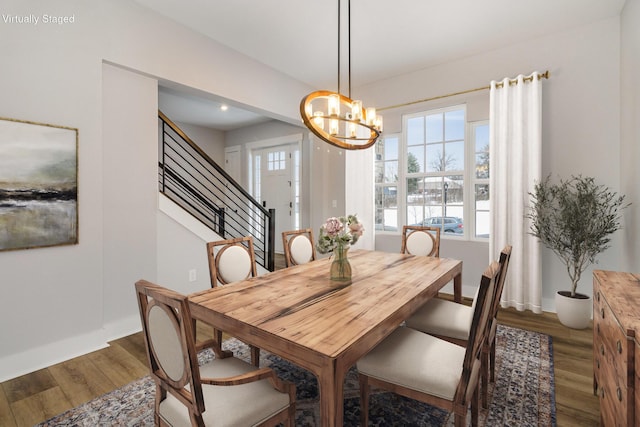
[{"x": 523, "y": 394}]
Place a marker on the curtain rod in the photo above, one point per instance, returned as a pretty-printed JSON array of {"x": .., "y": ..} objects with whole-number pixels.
[{"x": 544, "y": 75}]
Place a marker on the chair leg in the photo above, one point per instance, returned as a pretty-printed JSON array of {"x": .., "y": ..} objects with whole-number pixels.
[
  {"x": 492, "y": 361},
  {"x": 364, "y": 399},
  {"x": 255, "y": 356},
  {"x": 460, "y": 419},
  {"x": 484, "y": 377},
  {"x": 475, "y": 400}
]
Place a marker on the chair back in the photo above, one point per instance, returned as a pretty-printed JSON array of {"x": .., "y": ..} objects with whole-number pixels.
[
  {"x": 420, "y": 240},
  {"x": 505, "y": 257},
  {"x": 298, "y": 247},
  {"x": 231, "y": 260},
  {"x": 170, "y": 343},
  {"x": 479, "y": 329}
]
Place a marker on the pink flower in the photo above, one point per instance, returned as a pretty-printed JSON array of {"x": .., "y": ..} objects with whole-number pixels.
[
  {"x": 357, "y": 229},
  {"x": 333, "y": 226}
]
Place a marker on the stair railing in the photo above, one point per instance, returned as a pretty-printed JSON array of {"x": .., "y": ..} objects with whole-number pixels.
[{"x": 191, "y": 179}]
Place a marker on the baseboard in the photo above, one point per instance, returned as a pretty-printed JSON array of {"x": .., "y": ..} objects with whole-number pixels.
[{"x": 44, "y": 356}]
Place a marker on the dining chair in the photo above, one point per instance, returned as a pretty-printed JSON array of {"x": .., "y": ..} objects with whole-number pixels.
[
  {"x": 451, "y": 321},
  {"x": 230, "y": 261},
  {"x": 489, "y": 350},
  {"x": 420, "y": 240},
  {"x": 298, "y": 247},
  {"x": 224, "y": 391},
  {"x": 429, "y": 369}
]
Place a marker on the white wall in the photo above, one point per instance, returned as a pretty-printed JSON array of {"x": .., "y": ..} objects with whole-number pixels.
[
  {"x": 130, "y": 159},
  {"x": 630, "y": 133},
  {"x": 210, "y": 140},
  {"x": 58, "y": 302},
  {"x": 581, "y": 119}
]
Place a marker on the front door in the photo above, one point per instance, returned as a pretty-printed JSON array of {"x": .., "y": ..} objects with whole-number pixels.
[{"x": 274, "y": 186}]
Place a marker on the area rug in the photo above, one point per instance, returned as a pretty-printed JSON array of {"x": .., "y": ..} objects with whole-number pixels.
[{"x": 523, "y": 394}]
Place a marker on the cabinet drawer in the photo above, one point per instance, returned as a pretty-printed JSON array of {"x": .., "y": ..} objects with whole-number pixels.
[{"x": 611, "y": 347}]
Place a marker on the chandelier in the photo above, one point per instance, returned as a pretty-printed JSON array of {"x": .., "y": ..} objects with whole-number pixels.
[{"x": 337, "y": 119}]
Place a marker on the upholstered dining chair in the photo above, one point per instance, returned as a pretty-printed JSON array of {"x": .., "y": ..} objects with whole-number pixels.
[
  {"x": 298, "y": 247},
  {"x": 224, "y": 391},
  {"x": 420, "y": 240},
  {"x": 429, "y": 369},
  {"x": 230, "y": 261},
  {"x": 451, "y": 321}
]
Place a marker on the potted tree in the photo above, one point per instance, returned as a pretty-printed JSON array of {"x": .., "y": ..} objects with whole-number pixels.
[{"x": 575, "y": 219}]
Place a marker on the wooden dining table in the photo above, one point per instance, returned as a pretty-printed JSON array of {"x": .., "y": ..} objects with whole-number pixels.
[{"x": 324, "y": 326}]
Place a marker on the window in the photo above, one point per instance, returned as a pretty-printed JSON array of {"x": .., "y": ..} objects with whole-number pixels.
[
  {"x": 434, "y": 170},
  {"x": 277, "y": 161},
  {"x": 435, "y": 173},
  {"x": 480, "y": 179},
  {"x": 386, "y": 171}
]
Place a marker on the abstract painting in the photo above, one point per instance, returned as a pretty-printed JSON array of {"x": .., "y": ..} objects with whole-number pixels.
[{"x": 38, "y": 185}]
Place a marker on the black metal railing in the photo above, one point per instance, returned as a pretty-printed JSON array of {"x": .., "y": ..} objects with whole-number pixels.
[{"x": 191, "y": 179}]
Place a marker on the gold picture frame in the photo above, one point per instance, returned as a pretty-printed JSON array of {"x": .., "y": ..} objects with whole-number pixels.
[{"x": 38, "y": 185}]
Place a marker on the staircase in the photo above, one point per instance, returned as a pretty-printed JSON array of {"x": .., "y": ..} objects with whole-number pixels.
[{"x": 191, "y": 179}]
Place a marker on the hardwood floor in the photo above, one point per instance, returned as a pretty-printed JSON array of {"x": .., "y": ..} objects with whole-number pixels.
[{"x": 35, "y": 397}]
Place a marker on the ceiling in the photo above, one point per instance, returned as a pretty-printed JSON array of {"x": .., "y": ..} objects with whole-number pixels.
[{"x": 388, "y": 38}]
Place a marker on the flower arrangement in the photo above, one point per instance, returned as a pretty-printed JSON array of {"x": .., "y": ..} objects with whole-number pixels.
[{"x": 339, "y": 232}]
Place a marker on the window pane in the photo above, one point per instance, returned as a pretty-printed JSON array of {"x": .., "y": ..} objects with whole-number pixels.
[
  {"x": 415, "y": 131},
  {"x": 482, "y": 210},
  {"x": 379, "y": 172},
  {"x": 415, "y": 215},
  {"x": 386, "y": 208},
  {"x": 482, "y": 138},
  {"x": 454, "y": 125},
  {"x": 434, "y": 128},
  {"x": 390, "y": 172},
  {"x": 481, "y": 135},
  {"x": 415, "y": 159},
  {"x": 414, "y": 190},
  {"x": 453, "y": 195},
  {"x": 390, "y": 148},
  {"x": 435, "y": 159},
  {"x": 454, "y": 156},
  {"x": 482, "y": 165},
  {"x": 432, "y": 190}
]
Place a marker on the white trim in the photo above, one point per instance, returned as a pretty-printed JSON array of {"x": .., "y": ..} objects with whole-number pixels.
[
  {"x": 182, "y": 217},
  {"x": 175, "y": 212},
  {"x": 41, "y": 357},
  {"x": 272, "y": 142}
]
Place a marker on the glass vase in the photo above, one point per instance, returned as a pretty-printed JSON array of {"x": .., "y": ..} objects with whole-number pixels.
[{"x": 340, "y": 267}]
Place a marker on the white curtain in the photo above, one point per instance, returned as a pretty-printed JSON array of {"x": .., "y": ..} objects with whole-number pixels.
[
  {"x": 515, "y": 155},
  {"x": 359, "y": 193}
]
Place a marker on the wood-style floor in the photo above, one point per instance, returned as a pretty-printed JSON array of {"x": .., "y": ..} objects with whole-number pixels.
[{"x": 35, "y": 397}]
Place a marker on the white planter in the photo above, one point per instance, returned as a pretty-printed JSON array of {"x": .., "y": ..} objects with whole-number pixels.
[{"x": 574, "y": 313}]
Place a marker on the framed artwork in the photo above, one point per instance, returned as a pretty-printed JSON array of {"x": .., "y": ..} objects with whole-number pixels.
[{"x": 38, "y": 185}]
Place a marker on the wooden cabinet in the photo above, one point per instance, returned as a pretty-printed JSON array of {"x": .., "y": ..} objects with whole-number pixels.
[{"x": 616, "y": 351}]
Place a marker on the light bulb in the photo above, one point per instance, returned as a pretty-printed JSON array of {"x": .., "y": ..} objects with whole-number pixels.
[{"x": 334, "y": 104}]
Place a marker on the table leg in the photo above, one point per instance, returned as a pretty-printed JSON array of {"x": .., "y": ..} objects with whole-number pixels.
[
  {"x": 330, "y": 383},
  {"x": 457, "y": 288}
]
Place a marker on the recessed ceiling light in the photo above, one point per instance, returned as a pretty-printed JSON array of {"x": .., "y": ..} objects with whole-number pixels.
[{"x": 224, "y": 107}]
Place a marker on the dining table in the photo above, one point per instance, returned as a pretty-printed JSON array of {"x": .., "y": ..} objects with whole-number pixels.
[{"x": 325, "y": 326}]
